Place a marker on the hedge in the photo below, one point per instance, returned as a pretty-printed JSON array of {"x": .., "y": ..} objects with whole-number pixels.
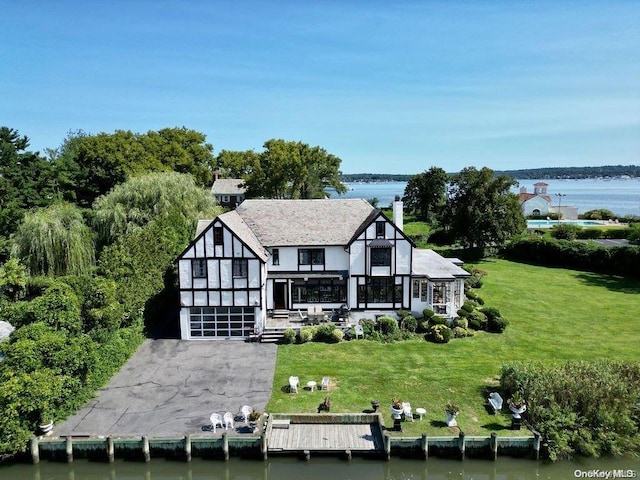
[{"x": 576, "y": 255}]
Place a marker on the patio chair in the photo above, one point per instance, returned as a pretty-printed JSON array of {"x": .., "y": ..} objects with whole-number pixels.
[
  {"x": 324, "y": 384},
  {"x": 359, "y": 331},
  {"x": 293, "y": 384},
  {"x": 495, "y": 400},
  {"x": 216, "y": 420},
  {"x": 246, "y": 411},
  {"x": 228, "y": 420},
  {"x": 407, "y": 411},
  {"x": 303, "y": 317}
]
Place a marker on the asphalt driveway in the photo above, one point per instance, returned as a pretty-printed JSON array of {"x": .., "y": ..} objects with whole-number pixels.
[{"x": 171, "y": 387}]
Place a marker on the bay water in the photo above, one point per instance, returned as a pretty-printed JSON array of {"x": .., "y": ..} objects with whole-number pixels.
[
  {"x": 621, "y": 196},
  {"x": 323, "y": 468}
]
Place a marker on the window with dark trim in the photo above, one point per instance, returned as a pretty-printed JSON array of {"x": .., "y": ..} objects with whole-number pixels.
[
  {"x": 217, "y": 236},
  {"x": 199, "y": 268},
  {"x": 380, "y": 257},
  {"x": 380, "y": 290},
  {"x": 240, "y": 268},
  {"x": 380, "y": 229},
  {"x": 275, "y": 256},
  {"x": 311, "y": 256}
]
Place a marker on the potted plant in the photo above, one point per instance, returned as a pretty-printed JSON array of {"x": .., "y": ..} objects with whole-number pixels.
[
  {"x": 396, "y": 408},
  {"x": 451, "y": 411},
  {"x": 517, "y": 404},
  {"x": 253, "y": 418},
  {"x": 375, "y": 404},
  {"x": 46, "y": 420}
]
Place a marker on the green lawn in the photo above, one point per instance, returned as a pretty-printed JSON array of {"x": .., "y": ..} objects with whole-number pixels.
[{"x": 554, "y": 315}]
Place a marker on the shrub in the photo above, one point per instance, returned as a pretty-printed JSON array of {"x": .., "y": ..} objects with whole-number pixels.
[
  {"x": 461, "y": 322},
  {"x": 306, "y": 334},
  {"x": 472, "y": 295},
  {"x": 462, "y": 313},
  {"x": 598, "y": 214},
  {"x": 402, "y": 313},
  {"x": 438, "y": 320},
  {"x": 387, "y": 325},
  {"x": 477, "y": 320},
  {"x": 289, "y": 336},
  {"x": 497, "y": 324},
  {"x": 565, "y": 232},
  {"x": 459, "y": 332},
  {"x": 427, "y": 313},
  {"x": 584, "y": 408},
  {"x": 325, "y": 334},
  {"x": 338, "y": 335},
  {"x": 469, "y": 306},
  {"x": 475, "y": 280},
  {"x": 439, "y": 334},
  {"x": 409, "y": 323},
  {"x": 368, "y": 327},
  {"x": 490, "y": 312}
]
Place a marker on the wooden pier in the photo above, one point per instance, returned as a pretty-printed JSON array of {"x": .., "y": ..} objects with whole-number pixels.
[{"x": 349, "y": 433}]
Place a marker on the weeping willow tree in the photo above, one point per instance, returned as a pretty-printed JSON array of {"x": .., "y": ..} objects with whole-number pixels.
[
  {"x": 141, "y": 200},
  {"x": 55, "y": 241}
]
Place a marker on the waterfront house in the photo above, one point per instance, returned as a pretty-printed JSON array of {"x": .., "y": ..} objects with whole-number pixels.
[
  {"x": 272, "y": 259},
  {"x": 536, "y": 203},
  {"x": 228, "y": 192}
]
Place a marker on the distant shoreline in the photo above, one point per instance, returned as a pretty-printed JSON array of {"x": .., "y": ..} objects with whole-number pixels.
[{"x": 607, "y": 172}]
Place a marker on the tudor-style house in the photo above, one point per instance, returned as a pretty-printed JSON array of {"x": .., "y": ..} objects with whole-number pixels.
[{"x": 270, "y": 256}]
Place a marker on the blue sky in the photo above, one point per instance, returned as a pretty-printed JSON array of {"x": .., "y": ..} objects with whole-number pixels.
[{"x": 389, "y": 87}]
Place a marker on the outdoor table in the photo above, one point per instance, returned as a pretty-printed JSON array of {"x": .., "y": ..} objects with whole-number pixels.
[
  {"x": 421, "y": 411},
  {"x": 312, "y": 385}
]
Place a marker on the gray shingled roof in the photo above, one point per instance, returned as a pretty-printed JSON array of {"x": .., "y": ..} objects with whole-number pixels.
[
  {"x": 304, "y": 222},
  {"x": 237, "y": 225},
  {"x": 427, "y": 263},
  {"x": 228, "y": 186}
]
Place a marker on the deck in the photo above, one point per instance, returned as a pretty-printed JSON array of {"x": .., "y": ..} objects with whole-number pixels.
[
  {"x": 325, "y": 433},
  {"x": 335, "y": 437}
]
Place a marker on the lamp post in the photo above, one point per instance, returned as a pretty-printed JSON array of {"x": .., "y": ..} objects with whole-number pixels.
[{"x": 560, "y": 195}]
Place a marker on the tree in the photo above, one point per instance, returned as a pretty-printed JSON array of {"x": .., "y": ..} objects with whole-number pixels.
[
  {"x": 55, "y": 241},
  {"x": 234, "y": 164},
  {"x": 426, "y": 194},
  {"x": 91, "y": 165},
  {"x": 140, "y": 200},
  {"x": 26, "y": 181},
  {"x": 293, "y": 170},
  {"x": 481, "y": 210}
]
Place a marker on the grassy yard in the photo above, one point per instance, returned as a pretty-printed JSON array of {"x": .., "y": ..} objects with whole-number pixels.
[{"x": 554, "y": 314}]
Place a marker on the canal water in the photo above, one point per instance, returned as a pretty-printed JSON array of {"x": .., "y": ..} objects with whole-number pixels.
[{"x": 327, "y": 468}]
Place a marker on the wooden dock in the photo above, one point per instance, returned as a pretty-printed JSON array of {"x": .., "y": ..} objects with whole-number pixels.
[{"x": 352, "y": 433}]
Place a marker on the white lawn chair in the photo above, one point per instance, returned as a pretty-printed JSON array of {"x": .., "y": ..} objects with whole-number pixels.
[
  {"x": 228, "y": 420},
  {"x": 324, "y": 385},
  {"x": 359, "y": 331},
  {"x": 495, "y": 400},
  {"x": 303, "y": 317},
  {"x": 293, "y": 384},
  {"x": 246, "y": 411},
  {"x": 216, "y": 420},
  {"x": 408, "y": 412}
]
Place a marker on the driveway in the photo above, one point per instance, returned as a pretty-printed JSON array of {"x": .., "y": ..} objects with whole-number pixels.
[{"x": 171, "y": 387}]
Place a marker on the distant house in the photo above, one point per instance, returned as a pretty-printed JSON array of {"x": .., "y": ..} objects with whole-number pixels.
[
  {"x": 228, "y": 192},
  {"x": 536, "y": 203},
  {"x": 270, "y": 260}
]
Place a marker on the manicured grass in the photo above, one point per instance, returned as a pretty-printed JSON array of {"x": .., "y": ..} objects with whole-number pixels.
[{"x": 555, "y": 315}]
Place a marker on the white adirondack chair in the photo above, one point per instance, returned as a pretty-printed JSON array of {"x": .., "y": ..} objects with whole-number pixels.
[
  {"x": 293, "y": 384},
  {"x": 216, "y": 420}
]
